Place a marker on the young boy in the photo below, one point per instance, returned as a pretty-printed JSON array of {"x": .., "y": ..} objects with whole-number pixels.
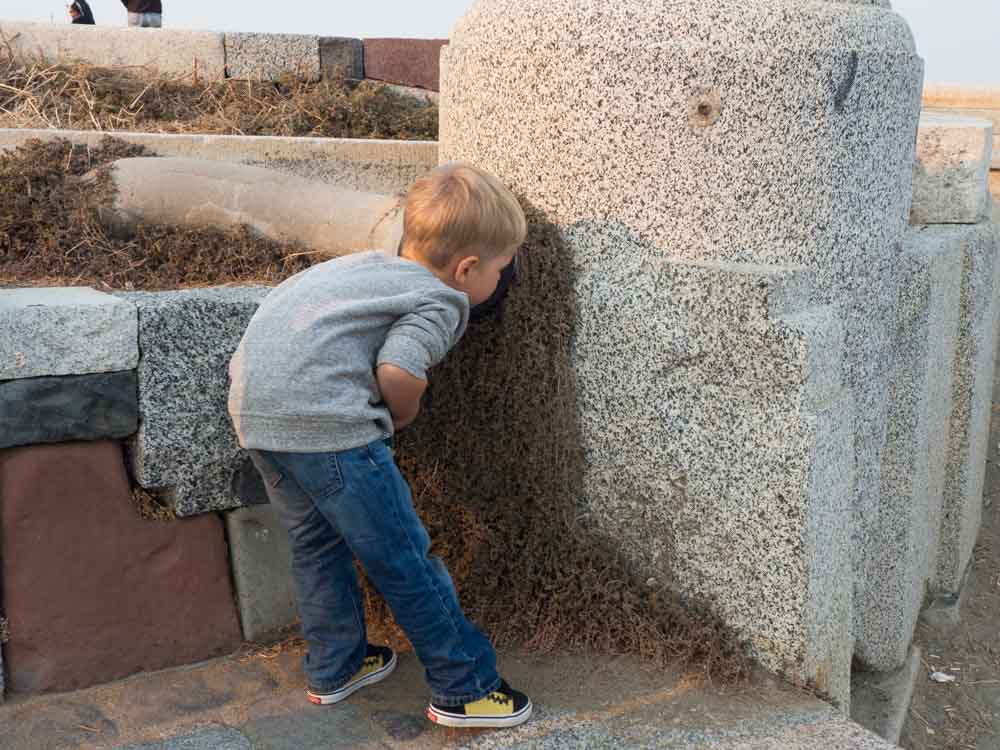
[{"x": 334, "y": 361}]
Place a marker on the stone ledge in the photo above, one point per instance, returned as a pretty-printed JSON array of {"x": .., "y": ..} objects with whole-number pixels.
[
  {"x": 950, "y": 180},
  {"x": 370, "y": 165},
  {"x": 65, "y": 331},
  {"x": 70, "y": 408},
  {"x": 408, "y": 62},
  {"x": 341, "y": 57},
  {"x": 268, "y": 57},
  {"x": 191, "y": 54}
]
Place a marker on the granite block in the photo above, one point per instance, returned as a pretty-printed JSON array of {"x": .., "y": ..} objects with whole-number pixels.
[
  {"x": 730, "y": 479},
  {"x": 408, "y": 62},
  {"x": 269, "y": 57},
  {"x": 341, "y": 57},
  {"x": 729, "y": 97},
  {"x": 261, "y": 561},
  {"x": 972, "y": 387},
  {"x": 900, "y": 554},
  {"x": 65, "y": 331},
  {"x": 192, "y": 54},
  {"x": 63, "y": 409},
  {"x": 950, "y": 180},
  {"x": 185, "y": 447},
  {"x": 108, "y": 594}
]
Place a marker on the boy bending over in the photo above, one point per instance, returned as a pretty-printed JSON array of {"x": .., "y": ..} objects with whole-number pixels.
[{"x": 334, "y": 361}]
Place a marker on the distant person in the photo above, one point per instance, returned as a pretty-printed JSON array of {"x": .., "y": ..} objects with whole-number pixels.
[
  {"x": 81, "y": 13},
  {"x": 147, "y": 14}
]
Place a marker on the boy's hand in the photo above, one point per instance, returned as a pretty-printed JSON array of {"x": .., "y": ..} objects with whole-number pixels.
[{"x": 401, "y": 392}]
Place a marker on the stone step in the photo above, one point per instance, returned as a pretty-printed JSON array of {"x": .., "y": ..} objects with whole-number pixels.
[
  {"x": 371, "y": 165},
  {"x": 258, "y": 701}
]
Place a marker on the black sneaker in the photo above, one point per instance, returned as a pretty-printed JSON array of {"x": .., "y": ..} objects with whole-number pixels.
[
  {"x": 378, "y": 664},
  {"x": 504, "y": 707}
]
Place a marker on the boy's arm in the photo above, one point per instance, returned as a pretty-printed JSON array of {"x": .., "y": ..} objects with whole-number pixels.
[
  {"x": 401, "y": 392},
  {"x": 414, "y": 343}
]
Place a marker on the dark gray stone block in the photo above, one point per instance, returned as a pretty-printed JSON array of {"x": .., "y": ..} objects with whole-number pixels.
[
  {"x": 261, "y": 563},
  {"x": 341, "y": 56},
  {"x": 62, "y": 409}
]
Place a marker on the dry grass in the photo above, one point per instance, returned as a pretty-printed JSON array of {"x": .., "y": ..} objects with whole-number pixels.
[
  {"x": 86, "y": 97},
  {"x": 51, "y": 233}
]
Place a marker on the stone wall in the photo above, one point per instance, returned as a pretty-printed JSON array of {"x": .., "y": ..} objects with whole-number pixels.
[{"x": 206, "y": 55}]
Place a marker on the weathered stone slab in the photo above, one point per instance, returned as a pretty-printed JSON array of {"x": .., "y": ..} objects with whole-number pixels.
[
  {"x": 65, "y": 331},
  {"x": 408, "y": 62},
  {"x": 900, "y": 558},
  {"x": 736, "y": 394},
  {"x": 121, "y": 595},
  {"x": 261, "y": 563},
  {"x": 197, "y": 194},
  {"x": 170, "y": 52},
  {"x": 843, "y": 202},
  {"x": 369, "y": 165},
  {"x": 185, "y": 446},
  {"x": 969, "y": 101},
  {"x": 269, "y": 57},
  {"x": 971, "y": 399},
  {"x": 62, "y": 409},
  {"x": 950, "y": 180},
  {"x": 341, "y": 57}
]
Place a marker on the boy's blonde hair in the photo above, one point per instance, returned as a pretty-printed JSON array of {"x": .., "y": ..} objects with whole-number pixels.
[{"x": 458, "y": 207}]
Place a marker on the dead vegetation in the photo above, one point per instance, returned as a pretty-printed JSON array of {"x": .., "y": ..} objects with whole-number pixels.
[
  {"x": 86, "y": 97},
  {"x": 51, "y": 233}
]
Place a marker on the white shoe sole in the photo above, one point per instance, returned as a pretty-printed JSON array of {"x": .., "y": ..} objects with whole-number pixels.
[
  {"x": 326, "y": 699},
  {"x": 446, "y": 719}
]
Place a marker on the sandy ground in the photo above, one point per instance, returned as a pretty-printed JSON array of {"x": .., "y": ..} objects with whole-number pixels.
[{"x": 965, "y": 714}]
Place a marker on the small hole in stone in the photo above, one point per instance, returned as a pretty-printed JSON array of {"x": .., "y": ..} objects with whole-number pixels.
[{"x": 706, "y": 107}]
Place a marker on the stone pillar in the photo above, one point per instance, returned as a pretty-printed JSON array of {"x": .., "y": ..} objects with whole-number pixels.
[{"x": 752, "y": 136}]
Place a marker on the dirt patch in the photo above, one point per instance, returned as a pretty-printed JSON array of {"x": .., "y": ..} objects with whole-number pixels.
[
  {"x": 87, "y": 97},
  {"x": 965, "y": 714},
  {"x": 51, "y": 233}
]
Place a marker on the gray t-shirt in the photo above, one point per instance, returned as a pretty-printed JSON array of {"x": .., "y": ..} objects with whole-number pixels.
[{"x": 303, "y": 377}]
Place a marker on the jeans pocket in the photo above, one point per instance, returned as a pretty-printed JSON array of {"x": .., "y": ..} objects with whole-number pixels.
[{"x": 319, "y": 474}]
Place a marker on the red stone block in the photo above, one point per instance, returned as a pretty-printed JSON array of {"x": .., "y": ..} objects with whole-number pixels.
[
  {"x": 408, "y": 62},
  {"x": 92, "y": 592}
]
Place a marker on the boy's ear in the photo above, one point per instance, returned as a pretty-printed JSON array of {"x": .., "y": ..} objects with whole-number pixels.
[{"x": 465, "y": 267}]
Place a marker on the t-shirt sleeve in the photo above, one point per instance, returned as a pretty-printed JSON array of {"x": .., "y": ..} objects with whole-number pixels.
[{"x": 420, "y": 339}]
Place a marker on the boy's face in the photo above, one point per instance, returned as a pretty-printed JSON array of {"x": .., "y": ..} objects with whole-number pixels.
[{"x": 478, "y": 277}]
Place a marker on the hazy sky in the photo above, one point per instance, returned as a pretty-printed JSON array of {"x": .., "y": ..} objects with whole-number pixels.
[{"x": 959, "y": 39}]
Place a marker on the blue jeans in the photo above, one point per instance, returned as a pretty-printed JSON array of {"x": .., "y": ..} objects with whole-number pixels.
[
  {"x": 355, "y": 503},
  {"x": 146, "y": 20}
]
